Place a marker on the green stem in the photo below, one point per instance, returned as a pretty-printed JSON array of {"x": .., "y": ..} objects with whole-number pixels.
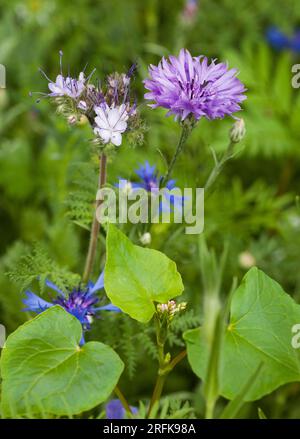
[
  {"x": 209, "y": 411},
  {"x": 165, "y": 364},
  {"x": 186, "y": 130},
  {"x": 161, "y": 378},
  {"x": 218, "y": 168},
  {"x": 157, "y": 391},
  {"x": 122, "y": 399},
  {"x": 90, "y": 259},
  {"x": 177, "y": 359}
]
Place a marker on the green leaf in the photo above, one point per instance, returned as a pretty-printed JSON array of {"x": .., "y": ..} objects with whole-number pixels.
[
  {"x": 234, "y": 406},
  {"x": 262, "y": 316},
  {"x": 45, "y": 371},
  {"x": 136, "y": 277}
]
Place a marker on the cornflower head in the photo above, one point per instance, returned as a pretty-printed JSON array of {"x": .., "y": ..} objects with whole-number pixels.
[
  {"x": 281, "y": 41},
  {"x": 192, "y": 87},
  {"x": 82, "y": 302},
  {"x": 151, "y": 181}
]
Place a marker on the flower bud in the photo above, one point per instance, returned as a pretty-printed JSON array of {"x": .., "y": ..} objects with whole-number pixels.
[
  {"x": 72, "y": 119},
  {"x": 238, "y": 131},
  {"x": 146, "y": 238},
  {"x": 246, "y": 260}
]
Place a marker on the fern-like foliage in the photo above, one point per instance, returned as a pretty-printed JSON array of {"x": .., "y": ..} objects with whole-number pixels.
[
  {"x": 36, "y": 264},
  {"x": 181, "y": 323},
  {"x": 81, "y": 201}
]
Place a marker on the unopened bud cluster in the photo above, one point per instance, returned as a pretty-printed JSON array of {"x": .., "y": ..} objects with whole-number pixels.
[{"x": 170, "y": 309}]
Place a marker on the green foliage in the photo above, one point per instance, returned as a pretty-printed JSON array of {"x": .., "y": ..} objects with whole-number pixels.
[
  {"x": 261, "y": 320},
  {"x": 37, "y": 264},
  {"x": 136, "y": 277},
  {"x": 45, "y": 180},
  {"x": 81, "y": 200},
  {"x": 45, "y": 371}
]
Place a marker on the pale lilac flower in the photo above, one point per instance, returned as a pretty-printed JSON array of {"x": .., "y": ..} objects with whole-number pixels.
[
  {"x": 68, "y": 86},
  {"x": 111, "y": 123},
  {"x": 190, "y": 86}
]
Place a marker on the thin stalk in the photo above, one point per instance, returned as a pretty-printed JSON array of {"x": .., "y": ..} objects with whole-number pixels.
[
  {"x": 186, "y": 130},
  {"x": 218, "y": 167},
  {"x": 166, "y": 365},
  {"x": 177, "y": 359},
  {"x": 159, "y": 385},
  {"x": 90, "y": 259},
  {"x": 122, "y": 399}
]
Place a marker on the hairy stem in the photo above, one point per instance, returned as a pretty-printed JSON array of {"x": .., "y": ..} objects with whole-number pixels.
[
  {"x": 90, "y": 259},
  {"x": 122, "y": 399}
]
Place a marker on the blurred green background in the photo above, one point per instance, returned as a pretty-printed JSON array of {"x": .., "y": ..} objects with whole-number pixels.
[{"x": 254, "y": 208}]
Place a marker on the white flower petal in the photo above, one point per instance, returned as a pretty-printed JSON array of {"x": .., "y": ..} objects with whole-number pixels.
[
  {"x": 105, "y": 135},
  {"x": 113, "y": 117},
  {"x": 116, "y": 139},
  {"x": 102, "y": 123},
  {"x": 120, "y": 126}
]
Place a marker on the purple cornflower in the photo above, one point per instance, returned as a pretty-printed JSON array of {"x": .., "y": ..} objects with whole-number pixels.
[
  {"x": 150, "y": 180},
  {"x": 190, "y": 86},
  {"x": 80, "y": 302},
  {"x": 115, "y": 410}
]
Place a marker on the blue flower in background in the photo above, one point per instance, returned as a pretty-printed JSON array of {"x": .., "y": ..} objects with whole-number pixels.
[
  {"x": 277, "y": 39},
  {"x": 295, "y": 42},
  {"x": 115, "y": 410},
  {"x": 280, "y": 41},
  {"x": 150, "y": 180},
  {"x": 80, "y": 302}
]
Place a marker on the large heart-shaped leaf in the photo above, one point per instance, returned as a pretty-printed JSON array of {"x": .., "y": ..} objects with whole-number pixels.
[
  {"x": 260, "y": 330},
  {"x": 45, "y": 371},
  {"x": 136, "y": 277}
]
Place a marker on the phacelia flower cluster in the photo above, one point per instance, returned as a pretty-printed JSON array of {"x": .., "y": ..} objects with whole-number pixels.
[
  {"x": 193, "y": 87},
  {"x": 81, "y": 302},
  {"x": 108, "y": 107},
  {"x": 280, "y": 41}
]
